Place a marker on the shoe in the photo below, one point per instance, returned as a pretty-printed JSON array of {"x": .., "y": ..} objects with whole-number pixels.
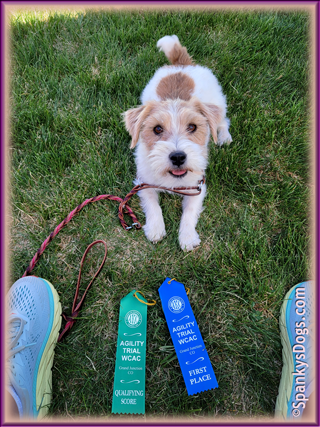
[
  {"x": 297, "y": 322},
  {"x": 34, "y": 314}
]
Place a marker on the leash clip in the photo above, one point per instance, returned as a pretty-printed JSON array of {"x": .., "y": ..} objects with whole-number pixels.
[
  {"x": 129, "y": 227},
  {"x": 200, "y": 185}
]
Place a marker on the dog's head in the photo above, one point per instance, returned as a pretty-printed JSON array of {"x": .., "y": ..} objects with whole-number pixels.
[{"x": 175, "y": 134}]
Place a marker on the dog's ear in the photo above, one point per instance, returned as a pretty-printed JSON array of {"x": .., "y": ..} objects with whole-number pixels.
[
  {"x": 213, "y": 114},
  {"x": 133, "y": 120}
]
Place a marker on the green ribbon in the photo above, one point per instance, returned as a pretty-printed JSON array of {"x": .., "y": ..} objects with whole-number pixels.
[{"x": 130, "y": 371}]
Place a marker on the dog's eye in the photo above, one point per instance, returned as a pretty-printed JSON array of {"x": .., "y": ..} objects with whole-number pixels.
[
  {"x": 191, "y": 128},
  {"x": 157, "y": 130}
]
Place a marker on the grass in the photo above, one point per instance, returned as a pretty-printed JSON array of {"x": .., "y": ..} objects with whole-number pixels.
[{"x": 72, "y": 77}]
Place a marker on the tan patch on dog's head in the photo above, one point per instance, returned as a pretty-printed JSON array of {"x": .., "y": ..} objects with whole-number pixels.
[
  {"x": 213, "y": 114},
  {"x": 174, "y": 117},
  {"x": 159, "y": 116},
  {"x": 177, "y": 85}
]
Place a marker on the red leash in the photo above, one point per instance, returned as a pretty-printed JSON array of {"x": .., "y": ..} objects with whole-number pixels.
[
  {"x": 75, "y": 309},
  {"x": 123, "y": 208}
]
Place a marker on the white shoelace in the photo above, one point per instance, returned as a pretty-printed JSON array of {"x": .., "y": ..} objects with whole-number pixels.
[{"x": 15, "y": 327}]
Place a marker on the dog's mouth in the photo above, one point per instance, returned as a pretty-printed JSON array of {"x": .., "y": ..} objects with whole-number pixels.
[{"x": 178, "y": 173}]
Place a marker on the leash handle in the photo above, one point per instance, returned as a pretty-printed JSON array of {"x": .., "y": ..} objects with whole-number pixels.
[
  {"x": 68, "y": 218},
  {"x": 75, "y": 309}
]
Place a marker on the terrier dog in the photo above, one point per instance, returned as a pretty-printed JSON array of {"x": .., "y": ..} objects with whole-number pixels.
[{"x": 181, "y": 105}]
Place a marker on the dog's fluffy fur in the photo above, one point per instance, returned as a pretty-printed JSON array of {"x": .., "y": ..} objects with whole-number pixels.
[{"x": 181, "y": 106}]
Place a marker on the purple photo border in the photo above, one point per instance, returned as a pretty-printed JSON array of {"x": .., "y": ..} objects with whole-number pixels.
[
  {"x": 317, "y": 204},
  {"x": 4, "y": 178},
  {"x": 3, "y": 203}
]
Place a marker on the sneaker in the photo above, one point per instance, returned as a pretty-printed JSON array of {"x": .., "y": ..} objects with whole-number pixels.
[
  {"x": 297, "y": 321},
  {"x": 34, "y": 314}
]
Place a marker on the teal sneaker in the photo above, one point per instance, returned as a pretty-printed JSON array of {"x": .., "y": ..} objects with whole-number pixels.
[
  {"x": 297, "y": 323},
  {"x": 34, "y": 320}
]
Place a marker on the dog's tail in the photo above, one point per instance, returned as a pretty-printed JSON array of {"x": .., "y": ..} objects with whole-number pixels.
[{"x": 173, "y": 50}]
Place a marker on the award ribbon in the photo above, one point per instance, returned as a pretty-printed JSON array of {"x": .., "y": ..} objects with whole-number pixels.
[
  {"x": 193, "y": 358},
  {"x": 129, "y": 377}
]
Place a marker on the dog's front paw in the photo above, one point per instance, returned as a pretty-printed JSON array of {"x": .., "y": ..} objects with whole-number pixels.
[
  {"x": 224, "y": 137},
  {"x": 154, "y": 231},
  {"x": 189, "y": 240}
]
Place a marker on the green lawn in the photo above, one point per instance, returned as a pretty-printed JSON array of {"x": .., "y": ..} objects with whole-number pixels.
[{"x": 72, "y": 76}]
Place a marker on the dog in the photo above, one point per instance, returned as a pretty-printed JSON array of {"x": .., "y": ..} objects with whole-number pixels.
[{"x": 181, "y": 106}]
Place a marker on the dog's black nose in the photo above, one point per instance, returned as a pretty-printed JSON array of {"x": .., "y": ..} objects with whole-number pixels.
[{"x": 177, "y": 158}]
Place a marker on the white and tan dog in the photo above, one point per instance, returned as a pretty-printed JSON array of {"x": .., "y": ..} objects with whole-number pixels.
[{"x": 181, "y": 105}]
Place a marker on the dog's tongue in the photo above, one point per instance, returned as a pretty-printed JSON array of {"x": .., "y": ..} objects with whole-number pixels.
[{"x": 174, "y": 172}]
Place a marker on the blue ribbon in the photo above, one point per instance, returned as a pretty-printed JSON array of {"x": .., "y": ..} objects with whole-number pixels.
[{"x": 193, "y": 358}]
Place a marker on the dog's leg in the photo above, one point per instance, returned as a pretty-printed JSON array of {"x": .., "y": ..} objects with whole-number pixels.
[
  {"x": 192, "y": 208},
  {"x": 224, "y": 136},
  {"x": 154, "y": 229}
]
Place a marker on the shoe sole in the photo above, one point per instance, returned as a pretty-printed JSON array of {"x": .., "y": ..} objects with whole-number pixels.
[
  {"x": 286, "y": 387},
  {"x": 286, "y": 382},
  {"x": 42, "y": 384}
]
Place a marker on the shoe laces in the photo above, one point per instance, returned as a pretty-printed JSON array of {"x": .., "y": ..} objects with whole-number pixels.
[{"x": 15, "y": 328}]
